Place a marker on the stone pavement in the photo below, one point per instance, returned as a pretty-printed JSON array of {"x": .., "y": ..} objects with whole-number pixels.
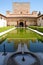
[
  {"x": 22, "y": 48},
  {"x": 3, "y": 59}
]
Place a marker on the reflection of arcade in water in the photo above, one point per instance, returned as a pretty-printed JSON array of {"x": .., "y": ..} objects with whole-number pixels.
[{"x": 23, "y": 57}]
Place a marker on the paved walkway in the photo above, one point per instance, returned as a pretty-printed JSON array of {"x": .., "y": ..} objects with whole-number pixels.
[
  {"x": 2, "y": 33},
  {"x": 22, "y": 48},
  {"x": 19, "y": 48},
  {"x": 35, "y": 31},
  {"x": 26, "y": 48}
]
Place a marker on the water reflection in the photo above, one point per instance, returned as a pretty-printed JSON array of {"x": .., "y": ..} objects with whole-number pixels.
[
  {"x": 21, "y": 30},
  {"x": 36, "y": 46},
  {"x": 8, "y": 46}
]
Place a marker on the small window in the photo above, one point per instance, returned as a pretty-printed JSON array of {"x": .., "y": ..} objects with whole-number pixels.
[
  {"x": 42, "y": 18},
  {"x": 1, "y": 17},
  {"x": 21, "y": 12},
  {"x": 39, "y": 19},
  {"x": 27, "y": 11}
]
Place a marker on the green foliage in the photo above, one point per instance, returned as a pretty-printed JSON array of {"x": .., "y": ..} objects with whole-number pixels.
[
  {"x": 2, "y": 29},
  {"x": 39, "y": 28},
  {"x": 39, "y": 13},
  {"x": 2, "y": 38},
  {"x": 25, "y": 34}
]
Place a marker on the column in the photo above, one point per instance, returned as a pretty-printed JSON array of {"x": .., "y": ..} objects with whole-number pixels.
[
  {"x": 17, "y": 23},
  {"x": 25, "y": 23}
]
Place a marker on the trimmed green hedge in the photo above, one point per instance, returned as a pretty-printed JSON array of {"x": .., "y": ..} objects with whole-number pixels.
[
  {"x": 37, "y": 28},
  {"x": 3, "y": 38},
  {"x": 40, "y": 29},
  {"x": 2, "y": 29}
]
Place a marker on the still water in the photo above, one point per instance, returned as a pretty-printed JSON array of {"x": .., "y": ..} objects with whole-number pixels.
[
  {"x": 36, "y": 46},
  {"x": 12, "y": 47}
]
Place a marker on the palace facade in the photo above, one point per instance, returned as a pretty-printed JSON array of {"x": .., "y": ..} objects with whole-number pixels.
[{"x": 21, "y": 16}]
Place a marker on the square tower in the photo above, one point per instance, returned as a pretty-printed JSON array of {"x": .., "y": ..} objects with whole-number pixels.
[{"x": 21, "y": 8}]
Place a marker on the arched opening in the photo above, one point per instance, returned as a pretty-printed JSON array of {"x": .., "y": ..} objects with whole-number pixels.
[{"x": 21, "y": 24}]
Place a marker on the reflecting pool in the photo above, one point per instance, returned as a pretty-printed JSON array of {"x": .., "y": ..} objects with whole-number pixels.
[{"x": 23, "y": 36}]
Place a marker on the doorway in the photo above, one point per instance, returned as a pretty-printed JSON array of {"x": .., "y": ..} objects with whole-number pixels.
[{"x": 21, "y": 24}]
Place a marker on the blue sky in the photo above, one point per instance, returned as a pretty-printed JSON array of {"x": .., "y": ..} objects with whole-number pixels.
[{"x": 36, "y": 5}]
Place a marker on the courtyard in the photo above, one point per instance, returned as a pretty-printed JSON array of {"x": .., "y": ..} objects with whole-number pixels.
[
  {"x": 17, "y": 40},
  {"x": 21, "y": 40},
  {"x": 21, "y": 35}
]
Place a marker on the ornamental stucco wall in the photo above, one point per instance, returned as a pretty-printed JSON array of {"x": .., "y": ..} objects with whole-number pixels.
[
  {"x": 40, "y": 21},
  {"x": 29, "y": 21},
  {"x": 21, "y": 11},
  {"x": 3, "y": 21}
]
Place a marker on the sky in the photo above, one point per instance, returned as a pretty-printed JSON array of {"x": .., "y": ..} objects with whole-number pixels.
[{"x": 35, "y": 5}]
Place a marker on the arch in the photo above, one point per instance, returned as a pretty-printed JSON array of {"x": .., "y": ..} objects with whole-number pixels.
[{"x": 21, "y": 24}]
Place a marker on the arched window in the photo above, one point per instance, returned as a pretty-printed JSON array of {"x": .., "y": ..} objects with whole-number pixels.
[
  {"x": 1, "y": 17},
  {"x": 20, "y": 12}
]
